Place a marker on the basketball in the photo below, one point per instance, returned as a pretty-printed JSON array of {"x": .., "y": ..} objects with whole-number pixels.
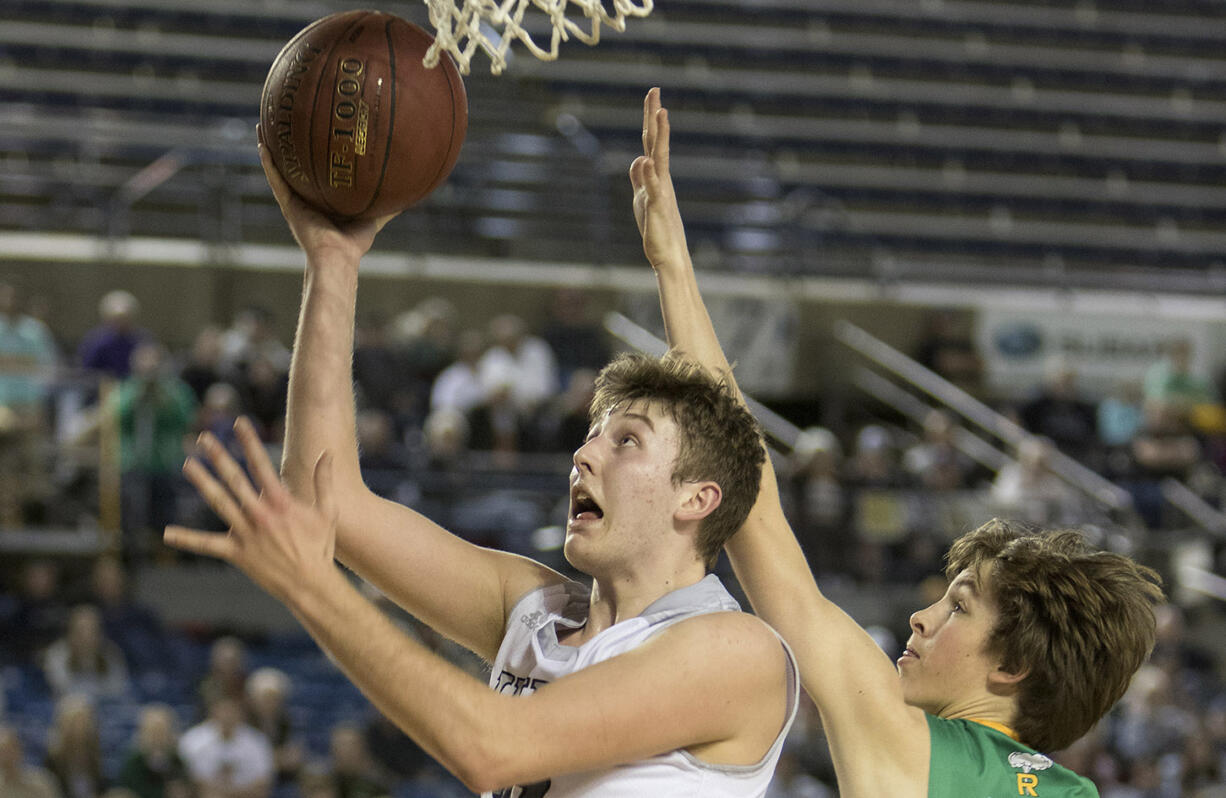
[{"x": 354, "y": 122}]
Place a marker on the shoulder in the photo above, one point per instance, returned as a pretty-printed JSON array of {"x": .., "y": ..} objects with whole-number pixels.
[
  {"x": 964, "y": 753},
  {"x": 741, "y": 640}
]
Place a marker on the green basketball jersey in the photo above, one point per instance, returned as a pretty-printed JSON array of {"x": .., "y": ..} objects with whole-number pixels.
[{"x": 970, "y": 760}]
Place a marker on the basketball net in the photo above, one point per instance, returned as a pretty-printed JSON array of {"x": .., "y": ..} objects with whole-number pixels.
[{"x": 458, "y": 26}]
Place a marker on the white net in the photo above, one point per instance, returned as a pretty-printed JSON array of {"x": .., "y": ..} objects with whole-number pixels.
[{"x": 464, "y": 26}]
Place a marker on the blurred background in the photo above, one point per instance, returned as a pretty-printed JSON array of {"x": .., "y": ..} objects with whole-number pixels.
[{"x": 967, "y": 254}]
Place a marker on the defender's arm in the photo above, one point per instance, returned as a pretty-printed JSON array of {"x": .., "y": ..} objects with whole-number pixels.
[{"x": 879, "y": 744}]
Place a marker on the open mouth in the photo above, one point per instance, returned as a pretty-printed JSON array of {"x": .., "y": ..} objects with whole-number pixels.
[{"x": 583, "y": 507}]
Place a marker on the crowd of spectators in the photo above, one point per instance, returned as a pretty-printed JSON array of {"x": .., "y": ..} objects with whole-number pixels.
[
  {"x": 474, "y": 427},
  {"x": 114, "y": 702},
  {"x": 439, "y": 402},
  {"x": 436, "y": 401}
]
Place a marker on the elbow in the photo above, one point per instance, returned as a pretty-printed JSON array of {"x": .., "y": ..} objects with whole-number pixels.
[
  {"x": 479, "y": 783},
  {"x": 480, "y": 769},
  {"x": 489, "y": 752}
]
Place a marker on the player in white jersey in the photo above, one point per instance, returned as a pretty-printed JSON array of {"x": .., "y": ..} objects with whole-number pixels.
[
  {"x": 531, "y": 656},
  {"x": 669, "y": 470}
]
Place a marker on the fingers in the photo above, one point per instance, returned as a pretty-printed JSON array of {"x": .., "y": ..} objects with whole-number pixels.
[
  {"x": 651, "y": 103},
  {"x": 258, "y": 462},
  {"x": 638, "y": 171},
  {"x": 230, "y": 472},
  {"x": 646, "y": 123},
  {"x": 275, "y": 181},
  {"x": 281, "y": 192},
  {"x": 210, "y": 544},
  {"x": 214, "y": 493},
  {"x": 659, "y": 150}
]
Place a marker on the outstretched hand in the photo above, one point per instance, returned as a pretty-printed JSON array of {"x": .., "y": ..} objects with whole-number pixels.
[
  {"x": 655, "y": 203},
  {"x": 276, "y": 539},
  {"x": 313, "y": 230}
]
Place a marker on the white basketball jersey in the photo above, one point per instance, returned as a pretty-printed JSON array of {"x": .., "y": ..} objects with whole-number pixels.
[{"x": 530, "y": 656}]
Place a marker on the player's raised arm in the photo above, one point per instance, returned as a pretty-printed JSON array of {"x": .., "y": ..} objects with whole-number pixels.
[
  {"x": 853, "y": 683},
  {"x": 461, "y": 590}
]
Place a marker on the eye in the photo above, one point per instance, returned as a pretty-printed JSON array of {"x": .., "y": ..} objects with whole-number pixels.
[
  {"x": 957, "y": 607},
  {"x": 627, "y": 440}
]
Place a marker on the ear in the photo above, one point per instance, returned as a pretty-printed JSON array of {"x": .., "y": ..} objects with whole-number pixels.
[
  {"x": 1005, "y": 682},
  {"x": 698, "y": 501}
]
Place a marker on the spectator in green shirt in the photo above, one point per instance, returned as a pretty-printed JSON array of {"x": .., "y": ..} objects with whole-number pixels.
[{"x": 154, "y": 411}]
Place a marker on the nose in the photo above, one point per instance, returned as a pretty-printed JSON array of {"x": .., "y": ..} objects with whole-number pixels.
[
  {"x": 917, "y": 622},
  {"x": 584, "y": 457}
]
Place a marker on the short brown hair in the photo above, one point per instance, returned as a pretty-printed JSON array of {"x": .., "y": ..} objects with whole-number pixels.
[
  {"x": 1078, "y": 622},
  {"x": 719, "y": 439}
]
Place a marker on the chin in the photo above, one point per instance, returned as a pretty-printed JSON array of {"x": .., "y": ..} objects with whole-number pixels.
[
  {"x": 572, "y": 550},
  {"x": 912, "y": 700}
]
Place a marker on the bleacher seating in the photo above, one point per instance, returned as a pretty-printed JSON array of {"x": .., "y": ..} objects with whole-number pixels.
[{"x": 1019, "y": 141}]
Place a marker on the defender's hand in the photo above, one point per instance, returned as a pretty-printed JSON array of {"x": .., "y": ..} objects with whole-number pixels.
[{"x": 655, "y": 203}]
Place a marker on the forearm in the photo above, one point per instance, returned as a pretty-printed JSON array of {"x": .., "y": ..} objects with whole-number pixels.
[
  {"x": 389, "y": 545},
  {"x": 444, "y": 710},
  {"x": 687, "y": 324},
  {"x": 772, "y": 569},
  {"x": 765, "y": 554},
  {"x": 767, "y": 559},
  {"x": 320, "y": 409}
]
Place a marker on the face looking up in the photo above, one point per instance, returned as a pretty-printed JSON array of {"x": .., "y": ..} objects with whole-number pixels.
[
  {"x": 946, "y": 669},
  {"x": 623, "y": 498}
]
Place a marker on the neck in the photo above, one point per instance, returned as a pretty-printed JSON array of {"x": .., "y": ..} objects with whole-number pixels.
[
  {"x": 619, "y": 598},
  {"x": 988, "y": 710}
]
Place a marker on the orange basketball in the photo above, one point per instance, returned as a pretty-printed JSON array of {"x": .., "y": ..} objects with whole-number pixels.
[{"x": 354, "y": 122}]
